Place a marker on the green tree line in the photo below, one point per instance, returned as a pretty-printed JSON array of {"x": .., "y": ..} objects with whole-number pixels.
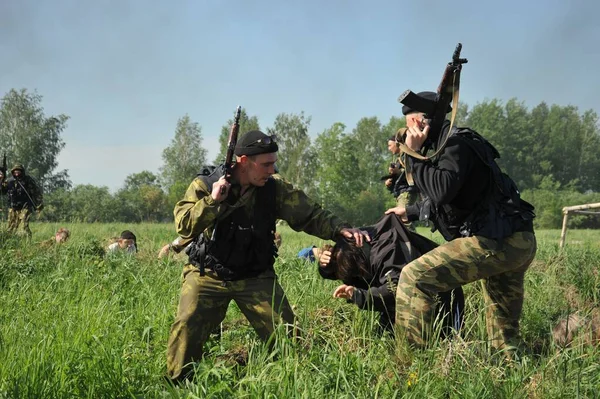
[{"x": 551, "y": 151}]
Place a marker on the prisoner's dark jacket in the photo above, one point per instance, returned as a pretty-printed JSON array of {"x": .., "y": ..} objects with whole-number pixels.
[{"x": 392, "y": 247}]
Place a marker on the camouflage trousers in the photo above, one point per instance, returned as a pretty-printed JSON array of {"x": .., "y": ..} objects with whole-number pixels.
[
  {"x": 202, "y": 306},
  {"x": 459, "y": 262},
  {"x": 18, "y": 218},
  {"x": 407, "y": 198}
]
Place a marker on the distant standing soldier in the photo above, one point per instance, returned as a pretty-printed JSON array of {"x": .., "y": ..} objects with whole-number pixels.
[
  {"x": 397, "y": 184},
  {"x": 24, "y": 197},
  {"x": 1, "y": 198}
]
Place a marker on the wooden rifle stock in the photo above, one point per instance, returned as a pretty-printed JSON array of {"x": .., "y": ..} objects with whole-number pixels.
[
  {"x": 231, "y": 142},
  {"x": 447, "y": 89}
]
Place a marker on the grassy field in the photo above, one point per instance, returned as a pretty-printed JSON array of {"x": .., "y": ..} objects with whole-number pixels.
[{"x": 74, "y": 324}]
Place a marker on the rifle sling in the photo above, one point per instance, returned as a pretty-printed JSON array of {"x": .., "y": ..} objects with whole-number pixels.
[{"x": 404, "y": 149}]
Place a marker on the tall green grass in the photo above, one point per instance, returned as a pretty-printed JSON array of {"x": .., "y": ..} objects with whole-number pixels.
[{"x": 74, "y": 324}]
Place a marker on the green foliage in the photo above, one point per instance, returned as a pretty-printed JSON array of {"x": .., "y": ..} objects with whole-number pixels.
[
  {"x": 141, "y": 199},
  {"x": 87, "y": 247},
  {"x": 93, "y": 204},
  {"x": 549, "y": 201},
  {"x": 347, "y": 174},
  {"x": 185, "y": 156},
  {"x": 369, "y": 205},
  {"x": 336, "y": 174},
  {"x": 369, "y": 143},
  {"x": 533, "y": 144},
  {"x": 295, "y": 159},
  {"x": 31, "y": 138},
  {"x": 58, "y": 205}
]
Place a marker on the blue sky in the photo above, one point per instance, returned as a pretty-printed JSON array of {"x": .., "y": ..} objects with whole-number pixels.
[{"x": 125, "y": 71}]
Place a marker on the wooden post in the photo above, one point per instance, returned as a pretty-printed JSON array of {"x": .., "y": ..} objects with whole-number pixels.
[
  {"x": 583, "y": 209},
  {"x": 563, "y": 233}
]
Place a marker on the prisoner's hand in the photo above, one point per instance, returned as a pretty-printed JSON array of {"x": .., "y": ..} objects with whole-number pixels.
[
  {"x": 324, "y": 258},
  {"x": 388, "y": 182},
  {"x": 344, "y": 291},
  {"x": 164, "y": 251}
]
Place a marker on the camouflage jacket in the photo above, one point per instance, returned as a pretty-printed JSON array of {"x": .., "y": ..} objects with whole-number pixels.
[{"x": 197, "y": 212}]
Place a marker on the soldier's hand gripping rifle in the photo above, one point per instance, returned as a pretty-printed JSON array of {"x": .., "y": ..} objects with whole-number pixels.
[
  {"x": 231, "y": 142},
  {"x": 436, "y": 111},
  {"x": 200, "y": 246}
]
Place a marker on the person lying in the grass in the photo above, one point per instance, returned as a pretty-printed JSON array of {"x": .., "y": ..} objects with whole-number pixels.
[
  {"x": 61, "y": 236},
  {"x": 370, "y": 273},
  {"x": 125, "y": 243}
]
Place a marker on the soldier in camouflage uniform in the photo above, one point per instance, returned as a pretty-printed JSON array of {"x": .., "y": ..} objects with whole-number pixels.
[
  {"x": 479, "y": 212},
  {"x": 24, "y": 197},
  {"x": 233, "y": 257},
  {"x": 1, "y": 197},
  {"x": 404, "y": 193}
]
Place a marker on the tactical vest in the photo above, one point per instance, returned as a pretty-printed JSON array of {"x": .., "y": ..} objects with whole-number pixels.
[
  {"x": 241, "y": 245},
  {"x": 19, "y": 192},
  {"x": 501, "y": 213}
]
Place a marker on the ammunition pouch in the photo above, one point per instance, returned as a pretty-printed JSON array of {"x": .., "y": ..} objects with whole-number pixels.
[{"x": 196, "y": 253}]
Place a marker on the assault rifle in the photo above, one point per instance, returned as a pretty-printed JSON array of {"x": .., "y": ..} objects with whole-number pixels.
[
  {"x": 231, "y": 142},
  {"x": 447, "y": 93},
  {"x": 391, "y": 175},
  {"x": 3, "y": 168}
]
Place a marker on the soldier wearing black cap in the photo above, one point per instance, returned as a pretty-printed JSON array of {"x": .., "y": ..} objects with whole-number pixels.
[
  {"x": 236, "y": 227},
  {"x": 479, "y": 212}
]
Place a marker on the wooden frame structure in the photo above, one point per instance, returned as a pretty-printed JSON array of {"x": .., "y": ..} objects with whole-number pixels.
[{"x": 578, "y": 210}]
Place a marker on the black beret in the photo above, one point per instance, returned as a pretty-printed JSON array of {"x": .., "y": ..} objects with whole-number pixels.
[
  {"x": 424, "y": 101},
  {"x": 255, "y": 142}
]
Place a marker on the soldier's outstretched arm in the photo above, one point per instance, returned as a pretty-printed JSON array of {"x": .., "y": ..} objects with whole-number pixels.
[{"x": 304, "y": 214}]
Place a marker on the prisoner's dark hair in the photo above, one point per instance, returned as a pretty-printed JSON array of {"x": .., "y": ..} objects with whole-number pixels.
[
  {"x": 128, "y": 235},
  {"x": 348, "y": 260}
]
